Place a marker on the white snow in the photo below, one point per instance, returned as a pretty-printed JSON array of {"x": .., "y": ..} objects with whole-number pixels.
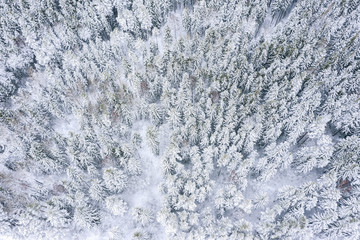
[{"x": 66, "y": 126}]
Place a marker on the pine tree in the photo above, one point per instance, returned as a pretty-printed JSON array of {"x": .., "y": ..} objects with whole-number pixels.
[
  {"x": 115, "y": 179},
  {"x": 97, "y": 190},
  {"x": 86, "y": 216},
  {"x": 57, "y": 217},
  {"x": 142, "y": 216},
  {"x": 5, "y": 222},
  {"x": 152, "y": 139},
  {"x": 168, "y": 38},
  {"x": 116, "y": 205},
  {"x": 8, "y": 85}
]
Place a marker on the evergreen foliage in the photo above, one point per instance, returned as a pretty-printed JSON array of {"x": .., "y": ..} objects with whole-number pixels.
[{"x": 180, "y": 119}]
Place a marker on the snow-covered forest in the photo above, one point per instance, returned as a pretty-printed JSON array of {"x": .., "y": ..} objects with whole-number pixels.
[{"x": 179, "y": 119}]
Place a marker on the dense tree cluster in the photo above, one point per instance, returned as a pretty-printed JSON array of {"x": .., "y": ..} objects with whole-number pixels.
[{"x": 229, "y": 95}]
